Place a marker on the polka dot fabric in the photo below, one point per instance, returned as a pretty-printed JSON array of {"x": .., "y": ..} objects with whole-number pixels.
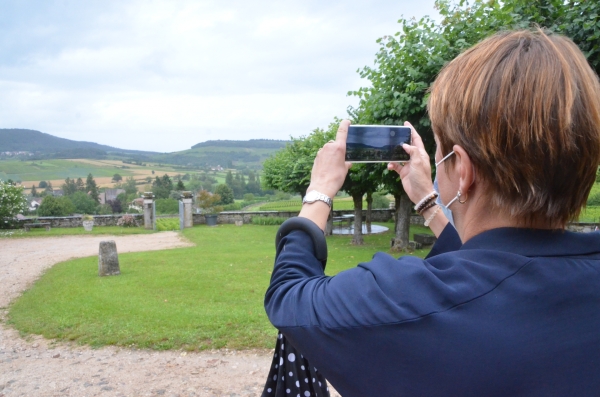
[{"x": 292, "y": 376}]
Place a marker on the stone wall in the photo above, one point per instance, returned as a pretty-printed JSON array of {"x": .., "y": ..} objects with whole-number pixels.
[
  {"x": 380, "y": 215},
  {"x": 230, "y": 217},
  {"x": 76, "y": 221}
]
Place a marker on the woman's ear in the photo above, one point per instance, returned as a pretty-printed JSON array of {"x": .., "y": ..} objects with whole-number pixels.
[{"x": 464, "y": 168}]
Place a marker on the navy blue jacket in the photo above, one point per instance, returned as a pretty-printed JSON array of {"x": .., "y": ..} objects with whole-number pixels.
[{"x": 512, "y": 312}]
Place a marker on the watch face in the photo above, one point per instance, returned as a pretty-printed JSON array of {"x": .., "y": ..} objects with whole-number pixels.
[{"x": 311, "y": 196}]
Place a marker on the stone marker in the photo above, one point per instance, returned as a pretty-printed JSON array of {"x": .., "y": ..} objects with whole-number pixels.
[{"x": 108, "y": 260}]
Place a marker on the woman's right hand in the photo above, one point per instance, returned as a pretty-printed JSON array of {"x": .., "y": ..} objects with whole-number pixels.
[{"x": 416, "y": 173}]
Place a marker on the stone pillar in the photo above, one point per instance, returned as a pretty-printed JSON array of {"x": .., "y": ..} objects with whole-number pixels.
[
  {"x": 108, "y": 260},
  {"x": 186, "y": 198},
  {"x": 149, "y": 218}
]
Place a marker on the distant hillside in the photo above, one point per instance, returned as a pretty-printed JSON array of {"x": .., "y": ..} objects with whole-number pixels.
[
  {"x": 49, "y": 146},
  {"x": 250, "y": 144},
  {"x": 249, "y": 153}
]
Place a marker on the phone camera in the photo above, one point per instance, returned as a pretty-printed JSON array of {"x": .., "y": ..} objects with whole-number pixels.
[{"x": 392, "y": 133}]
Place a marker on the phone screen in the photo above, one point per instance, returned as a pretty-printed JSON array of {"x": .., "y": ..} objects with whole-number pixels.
[{"x": 377, "y": 143}]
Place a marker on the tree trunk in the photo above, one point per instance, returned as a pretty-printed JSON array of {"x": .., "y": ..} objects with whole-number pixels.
[
  {"x": 357, "y": 237},
  {"x": 329, "y": 225},
  {"x": 403, "y": 208},
  {"x": 369, "y": 208}
]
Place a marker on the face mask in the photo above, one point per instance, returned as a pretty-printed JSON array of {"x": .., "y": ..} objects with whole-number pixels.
[
  {"x": 447, "y": 211},
  {"x": 445, "y": 208}
]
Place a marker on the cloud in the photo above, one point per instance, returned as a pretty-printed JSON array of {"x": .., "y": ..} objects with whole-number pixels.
[{"x": 129, "y": 74}]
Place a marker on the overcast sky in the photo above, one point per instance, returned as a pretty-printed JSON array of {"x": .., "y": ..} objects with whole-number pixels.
[{"x": 165, "y": 75}]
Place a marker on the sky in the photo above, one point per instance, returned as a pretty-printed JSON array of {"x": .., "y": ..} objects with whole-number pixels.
[{"x": 165, "y": 75}]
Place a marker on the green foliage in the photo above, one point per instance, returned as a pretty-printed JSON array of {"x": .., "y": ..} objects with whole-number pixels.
[
  {"x": 56, "y": 206},
  {"x": 12, "y": 202},
  {"x": 289, "y": 169},
  {"x": 165, "y": 224},
  {"x": 117, "y": 178},
  {"x": 226, "y": 194},
  {"x": 43, "y": 184},
  {"x": 162, "y": 186},
  {"x": 380, "y": 201},
  {"x": 167, "y": 206},
  {"x": 83, "y": 203},
  {"x": 92, "y": 188},
  {"x": 208, "y": 202},
  {"x": 248, "y": 197},
  {"x": 264, "y": 220}
]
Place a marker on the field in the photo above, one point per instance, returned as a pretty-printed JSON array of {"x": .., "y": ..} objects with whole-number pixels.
[
  {"x": 202, "y": 297},
  {"x": 56, "y": 171}
]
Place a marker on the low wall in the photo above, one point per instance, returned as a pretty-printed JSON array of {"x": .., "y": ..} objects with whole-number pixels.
[
  {"x": 76, "y": 221},
  {"x": 230, "y": 217},
  {"x": 380, "y": 215}
]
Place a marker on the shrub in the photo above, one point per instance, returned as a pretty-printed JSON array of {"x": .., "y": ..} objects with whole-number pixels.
[
  {"x": 56, "y": 206},
  {"x": 12, "y": 202},
  {"x": 164, "y": 224},
  {"x": 167, "y": 206},
  {"x": 83, "y": 203},
  {"x": 127, "y": 221},
  {"x": 594, "y": 200},
  {"x": 269, "y": 221},
  {"x": 380, "y": 201}
]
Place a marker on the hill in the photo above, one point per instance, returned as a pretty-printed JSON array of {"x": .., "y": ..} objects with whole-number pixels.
[
  {"x": 227, "y": 153},
  {"x": 251, "y": 153},
  {"x": 49, "y": 146}
]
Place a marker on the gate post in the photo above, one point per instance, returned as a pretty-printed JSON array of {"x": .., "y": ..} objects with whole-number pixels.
[{"x": 149, "y": 211}]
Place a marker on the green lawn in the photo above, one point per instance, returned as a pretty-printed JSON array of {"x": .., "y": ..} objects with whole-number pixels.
[
  {"x": 207, "y": 296},
  {"x": 74, "y": 231}
]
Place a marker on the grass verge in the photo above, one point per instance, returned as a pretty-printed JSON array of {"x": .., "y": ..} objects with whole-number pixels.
[
  {"x": 73, "y": 231},
  {"x": 207, "y": 296}
]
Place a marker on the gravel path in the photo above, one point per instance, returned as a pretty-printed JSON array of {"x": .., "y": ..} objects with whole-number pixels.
[{"x": 39, "y": 367}]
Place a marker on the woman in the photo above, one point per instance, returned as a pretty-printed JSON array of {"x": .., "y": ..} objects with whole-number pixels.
[{"x": 507, "y": 302}]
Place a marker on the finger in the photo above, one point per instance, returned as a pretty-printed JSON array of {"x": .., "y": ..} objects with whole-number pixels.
[
  {"x": 394, "y": 167},
  {"x": 348, "y": 165},
  {"x": 342, "y": 132},
  {"x": 415, "y": 137}
]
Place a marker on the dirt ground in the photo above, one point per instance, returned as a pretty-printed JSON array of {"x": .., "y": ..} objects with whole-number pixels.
[{"x": 38, "y": 367}]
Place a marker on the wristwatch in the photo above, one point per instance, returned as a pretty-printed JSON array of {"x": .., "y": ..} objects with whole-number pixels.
[{"x": 313, "y": 196}]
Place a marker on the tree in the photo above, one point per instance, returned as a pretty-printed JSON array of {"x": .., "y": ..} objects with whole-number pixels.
[
  {"x": 80, "y": 185},
  {"x": 130, "y": 186},
  {"x": 34, "y": 192},
  {"x": 92, "y": 188},
  {"x": 12, "y": 203},
  {"x": 180, "y": 186},
  {"x": 289, "y": 169},
  {"x": 56, "y": 206},
  {"x": 43, "y": 184},
  {"x": 225, "y": 193},
  {"x": 117, "y": 178},
  {"x": 83, "y": 203},
  {"x": 161, "y": 187},
  {"x": 359, "y": 181},
  {"x": 69, "y": 187}
]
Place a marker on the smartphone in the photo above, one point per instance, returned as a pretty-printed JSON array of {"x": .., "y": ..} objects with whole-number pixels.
[{"x": 377, "y": 143}]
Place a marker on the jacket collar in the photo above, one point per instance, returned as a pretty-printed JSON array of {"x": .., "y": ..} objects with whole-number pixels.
[{"x": 536, "y": 242}]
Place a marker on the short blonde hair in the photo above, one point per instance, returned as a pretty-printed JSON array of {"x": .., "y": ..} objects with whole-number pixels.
[{"x": 525, "y": 105}]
